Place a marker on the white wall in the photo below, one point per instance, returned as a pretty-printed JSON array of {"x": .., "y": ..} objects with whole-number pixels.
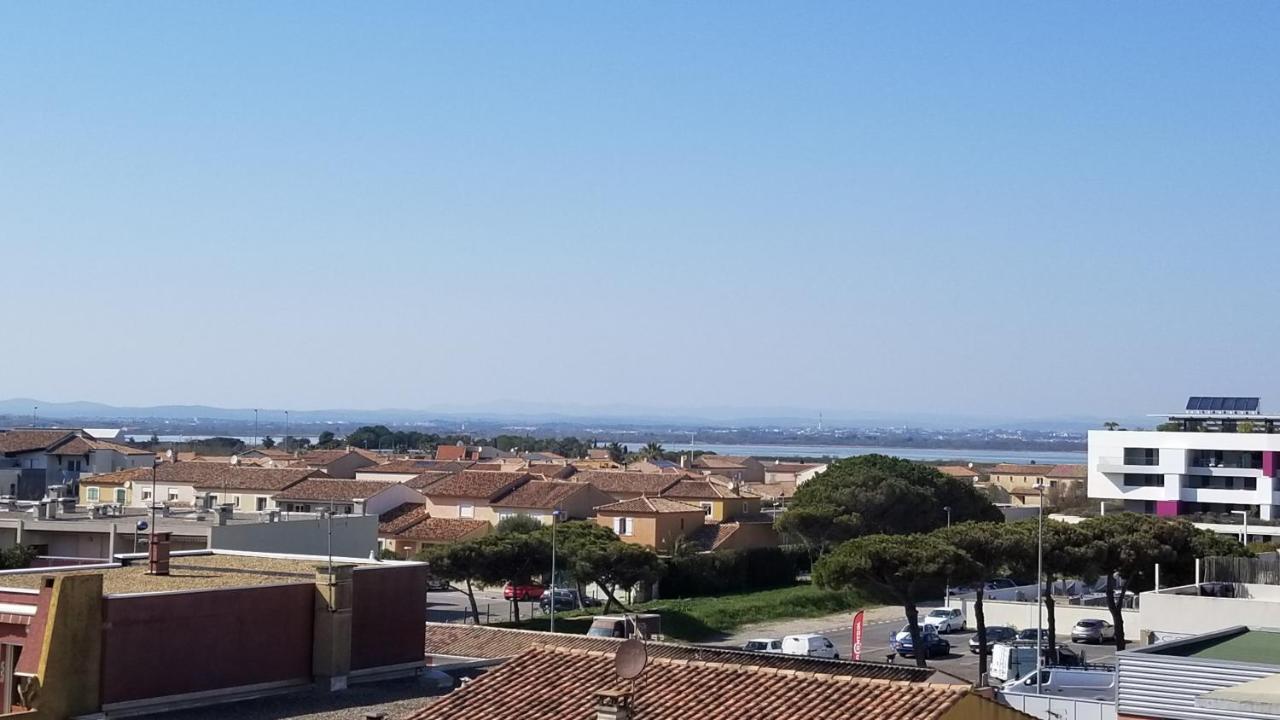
[
  {"x": 394, "y": 496},
  {"x": 353, "y": 536},
  {"x": 1172, "y": 614}
]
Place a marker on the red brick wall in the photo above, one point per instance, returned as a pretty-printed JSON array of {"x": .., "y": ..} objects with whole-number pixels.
[
  {"x": 167, "y": 644},
  {"x": 388, "y": 610}
]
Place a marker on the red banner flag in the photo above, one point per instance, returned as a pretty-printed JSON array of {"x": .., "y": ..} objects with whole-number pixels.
[{"x": 857, "y": 636}]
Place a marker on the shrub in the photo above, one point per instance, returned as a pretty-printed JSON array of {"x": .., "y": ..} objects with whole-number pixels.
[{"x": 729, "y": 571}]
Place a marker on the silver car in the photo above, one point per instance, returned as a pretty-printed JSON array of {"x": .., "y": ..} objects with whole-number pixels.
[{"x": 1092, "y": 630}]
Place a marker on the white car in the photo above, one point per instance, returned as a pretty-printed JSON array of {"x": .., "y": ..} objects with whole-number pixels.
[
  {"x": 946, "y": 620},
  {"x": 809, "y": 645},
  {"x": 765, "y": 645}
]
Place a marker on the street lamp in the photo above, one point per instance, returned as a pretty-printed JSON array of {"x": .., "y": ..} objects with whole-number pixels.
[
  {"x": 555, "y": 520},
  {"x": 1040, "y": 586},
  {"x": 946, "y": 587},
  {"x": 1244, "y": 517}
]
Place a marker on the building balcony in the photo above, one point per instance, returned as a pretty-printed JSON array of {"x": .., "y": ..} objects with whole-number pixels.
[{"x": 1117, "y": 464}]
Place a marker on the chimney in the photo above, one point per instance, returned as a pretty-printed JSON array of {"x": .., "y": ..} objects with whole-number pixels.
[
  {"x": 684, "y": 461},
  {"x": 331, "y": 634},
  {"x": 158, "y": 554},
  {"x": 613, "y": 704}
]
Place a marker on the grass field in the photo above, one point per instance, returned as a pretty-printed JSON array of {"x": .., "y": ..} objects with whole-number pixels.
[{"x": 705, "y": 619}]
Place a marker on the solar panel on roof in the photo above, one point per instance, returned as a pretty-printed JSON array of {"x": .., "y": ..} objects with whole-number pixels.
[{"x": 1208, "y": 404}]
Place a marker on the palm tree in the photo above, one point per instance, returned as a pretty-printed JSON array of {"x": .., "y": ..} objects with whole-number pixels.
[
  {"x": 652, "y": 450},
  {"x": 617, "y": 451},
  {"x": 1111, "y": 425}
]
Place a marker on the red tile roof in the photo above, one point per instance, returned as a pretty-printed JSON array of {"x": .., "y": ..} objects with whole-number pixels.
[
  {"x": 959, "y": 471},
  {"x": 540, "y": 494},
  {"x": 551, "y": 471},
  {"x": 451, "y": 452},
  {"x": 425, "y": 479},
  {"x": 491, "y": 643},
  {"x": 406, "y": 467},
  {"x": 401, "y": 518},
  {"x": 27, "y": 440},
  {"x": 1079, "y": 472},
  {"x": 649, "y": 505},
  {"x": 720, "y": 462},
  {"x": 333, "y": 490},
  {"x": 556, "y": 682},
  {"x": 211, "y": 476},
  {"x": 1015, "y": 469},
  {"x": 477, "y": 484},
  {"x": 444, "y": 530},
  {"x": 705, "y": 489},
  {"x": 621, "y": 481}
]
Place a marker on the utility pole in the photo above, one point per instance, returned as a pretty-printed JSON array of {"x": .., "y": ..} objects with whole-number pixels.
[
  {"x": 946, "y": 586},
  {"x": 555, "y": 517},
  {"x": 1040, "y": 586},
  {"x": 255, "y": 427}
]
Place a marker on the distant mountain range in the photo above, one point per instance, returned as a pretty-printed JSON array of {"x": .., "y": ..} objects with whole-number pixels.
[{"x": 535, "y": 413}]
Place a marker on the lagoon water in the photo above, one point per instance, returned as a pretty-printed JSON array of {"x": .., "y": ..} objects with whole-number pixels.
[{"x": 1047, "y": 457}]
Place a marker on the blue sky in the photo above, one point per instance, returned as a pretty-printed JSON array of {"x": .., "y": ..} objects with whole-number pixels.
[{"x": 1035, "y": 209}]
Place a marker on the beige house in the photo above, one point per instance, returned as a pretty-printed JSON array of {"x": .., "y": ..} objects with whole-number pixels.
[
  {"x": 961, "y": 472},
  {"x": 469, "y": 494},
  {"x": 541, "y": 498},
  {"x": 1022, "y": 481},
  {"x": 740, "y": 468},
  {"x": 401, "y": 470},
  {"x": 795, "y": 473},
  {"x": 337, "y": 463},
  {"x": 626, "y": 484},
  {"x": 248, "y": 489},
  {"x": 720, "y": 499},
  {"x": 359, "y": 497},
  {"x": 654, "y": 522},
  {"x": 407, "y": 530}
]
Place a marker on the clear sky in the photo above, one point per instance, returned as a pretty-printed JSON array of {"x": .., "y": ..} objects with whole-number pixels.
[{"x": 1033, "y": 208}]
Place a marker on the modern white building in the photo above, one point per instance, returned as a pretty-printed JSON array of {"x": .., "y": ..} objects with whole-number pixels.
[{"x": 1220, "y": 455}]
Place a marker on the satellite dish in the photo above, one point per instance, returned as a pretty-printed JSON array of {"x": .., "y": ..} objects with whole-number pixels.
[{"x": 630, "y": 659}]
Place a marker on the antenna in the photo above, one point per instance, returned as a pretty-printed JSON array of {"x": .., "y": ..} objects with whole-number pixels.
[{"x": 630, "y": 659}]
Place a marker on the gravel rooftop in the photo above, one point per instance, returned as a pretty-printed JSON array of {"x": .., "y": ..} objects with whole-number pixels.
[{"x": 195, "y": 572}]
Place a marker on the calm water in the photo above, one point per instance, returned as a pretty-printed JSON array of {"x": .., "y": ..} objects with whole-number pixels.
[{"x": 1046, "y": 457}]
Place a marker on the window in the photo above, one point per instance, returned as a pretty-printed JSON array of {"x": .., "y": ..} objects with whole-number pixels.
[
  {"x": 260, "y": 504},
  {"x": 91, "y": 494},
  {"x": 504, "y": 514},
  {"x": 146, "y": 494},
  {"x": 706, "y": 508},
  {"x": 120, "y": 495},
  {"x": 466, "y": 510},
  {"x": 235, "y": 501},
  {"x": 623, "y": 526},
  {"x": 173, "y": 494},
  {"x": 1141, "y": 456},
  {"x": 1143, "y": 480}
]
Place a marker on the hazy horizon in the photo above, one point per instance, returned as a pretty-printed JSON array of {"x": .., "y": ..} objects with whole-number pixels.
[{"x": 987, "y": 209}]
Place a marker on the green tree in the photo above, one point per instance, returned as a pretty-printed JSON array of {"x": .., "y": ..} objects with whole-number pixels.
[
  {"x": 652, "y": 450},
  {"x": 268, "y": 443},
  {"x": 904, "y": 566},
  {"x": 1068, "y": 553},
  {"x": 996, "y": 551},
  {"x": 623, "y": 565},
  {"x": 617, "y": 451},
  {"x": 458, "y": 562},
  {"x": 326, "y": 440},
  {"x": 516, "y": 558},
  {"x": 17, "y": 557},
  {"x": 591, "y": 553},
  {"x": 877, "y": 494},
  {"x": 518, "y": 525},
  {"x": 1111, "y": 425}
]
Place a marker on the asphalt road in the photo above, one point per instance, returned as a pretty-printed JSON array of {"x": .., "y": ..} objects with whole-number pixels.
[
  {"x": 452, "y": 606},
  {"x": 960, "y": 663}
]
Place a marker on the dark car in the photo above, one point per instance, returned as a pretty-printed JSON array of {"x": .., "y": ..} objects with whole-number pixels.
[
  {"x": 1030, "y": 635},
  {"x": 995, "y": 634},
  {"x": 934, "y": 644},
  {"x": 566, "y": 599},
  {"x": 435, "y": 584}
]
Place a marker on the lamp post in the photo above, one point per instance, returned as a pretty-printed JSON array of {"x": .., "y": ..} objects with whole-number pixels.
[
  {"x": 255, "y": 427},
  {"x": 1040, "y": 587},
  {"x": 1244, "y": 518},
  {"x": 555, "y": 520},
  {"x": 946, "y": 587}
]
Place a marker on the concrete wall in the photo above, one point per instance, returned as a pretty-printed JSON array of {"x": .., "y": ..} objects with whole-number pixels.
[
  {"x": 167, "y": 644},
  {"x": 393, "y": 497},
  {"x": 353, "y": 536},
  {"x": 1023, "y": 615},
  {"x": 1171, "y": 615}
]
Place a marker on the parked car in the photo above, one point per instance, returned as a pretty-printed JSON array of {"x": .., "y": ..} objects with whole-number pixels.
[
  {"x": 1093, "y": 630},
  {"x": 1032, "y": 634},
  {"x": 1087, "y": 684},
  {"x": 766, "y": 645},
  {"x": 647, "y": 626},
  {"x": 435, "y": 584},
  {"x": 934, "y": 644},
  {"x": 995, "y": 634},
  {"x": 945, "y": 620},
  {"x": 809, "y": 645},
  {"x": 1000, "y": 584},
  {"x": 565, "y": 599},
  {"x": 521, "y": 592}
]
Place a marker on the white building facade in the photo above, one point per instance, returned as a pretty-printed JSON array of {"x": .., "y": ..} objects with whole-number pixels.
[{"x": 1210, "y": 461}]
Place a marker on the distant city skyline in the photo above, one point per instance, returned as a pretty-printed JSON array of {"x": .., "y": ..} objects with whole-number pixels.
[{"x": 987, "y": 209}]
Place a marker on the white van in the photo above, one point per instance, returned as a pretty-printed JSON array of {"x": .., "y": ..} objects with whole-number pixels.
[
  {"x": 1067, "y": 682},
  {"x": 809, "y": 645}
]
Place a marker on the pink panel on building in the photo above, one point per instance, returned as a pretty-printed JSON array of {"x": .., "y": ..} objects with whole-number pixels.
[
  {"x": 1269, "y": 463},
  {"x": 1167, "y": 508}
]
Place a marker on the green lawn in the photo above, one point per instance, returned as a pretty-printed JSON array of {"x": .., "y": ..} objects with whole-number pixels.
[{"x": 712, "y": 618}]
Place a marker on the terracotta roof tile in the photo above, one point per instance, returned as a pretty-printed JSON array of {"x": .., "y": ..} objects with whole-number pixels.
[
  {"x": 621, "y": 481},
  {"x": 781, "y": 490},
  {"x": 443, "y": 530},
  {"x": 704, "y": 489},
  {"x": 561, "y": 682},
  {"x": 333, "y": 489},
  {"x": 551, "y": 471},
  {"x": 1079, "y": 472},
  {"x": 649, "y": 505},
  {"x": 27, "y": 440},
  {"x": 401, "y": 518},
  {"x": 212, "y": 476},
  {"x": 405, "y": 467},
  {"x": 720, "y": 462},
  {"x": 426, "y": 479},
  {"x": 1015, "y": 469},
  {"x": 477, "y": 484},
  {"x": 540, "y": 494}
]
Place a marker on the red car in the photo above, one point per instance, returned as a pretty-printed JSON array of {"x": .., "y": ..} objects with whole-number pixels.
[{"x": 521, "y": 592}]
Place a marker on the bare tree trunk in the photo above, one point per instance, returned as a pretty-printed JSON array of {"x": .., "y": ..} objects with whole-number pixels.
[
  {"x": 913, "y": 624},
  {"x": 515, "y": 609},
  {"x": 475, "y": 609},
  {"x": 980, "y": 617},
  {"x": 611, "y": 601},
  {"x": 1116, "y": 606},
  {"x": 1052, "y": 640}
]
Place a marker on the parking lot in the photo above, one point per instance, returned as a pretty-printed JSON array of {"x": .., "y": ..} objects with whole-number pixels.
[{"x": 960, "y": 663}]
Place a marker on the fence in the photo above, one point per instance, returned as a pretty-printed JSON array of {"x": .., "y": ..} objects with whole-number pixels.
[
  {"x": 1262, "y": 570},
  {"x": 1056, "y": 708}
]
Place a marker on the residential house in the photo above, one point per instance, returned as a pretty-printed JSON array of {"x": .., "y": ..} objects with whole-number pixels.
[
  {"x": 401, "y": 470},
  {"x": 551, "y": 471},
  {"x": 624, "y": 485},
  {"x": 597, "y": 459},
  {"x": 656, "y": 465},
  {"x": 408, "y": 529},
  {"x": 789, "y": 472},
  {"x": 359, "y": 497},
  {"x": 1023, "y": 482},
  {"x": 337, "y": 463},
  {"x": 575, "y": 682},
  {"x": 31, "y": 459},
  {"x": 741, "y": 534},
  {"x": 539, "y": 499},
  {"x": 740, "y": 468},
  {"x": 469, "y": 494},
  {"x": 720, "y": 499},
  {"x": 654, "y": 522},
  {"x": 961, "y": 472},
  {"x": 248, "y": 489},
  {"x": 470, "y": 452},
  {"x": 775, "y": 493}
]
